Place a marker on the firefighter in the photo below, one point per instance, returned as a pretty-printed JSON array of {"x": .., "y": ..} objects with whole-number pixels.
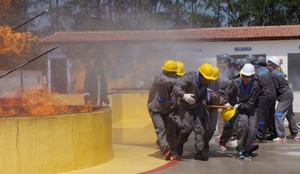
[
  {"x": 159, "y": 104},
  {"x": 285, "y": 100},
  {"x": 240, "y": 63},
  {"x": 175, "y": 122},
  {"x": 213, "y": 98},
  {"x": 191, "y": 92},
  {"x": 246, "y": 89},
  {"x": 251, "y": 58},
  {"x": 224, "y": 67},
  {"x": 234, "y": 67},
  {"x": 95, "y": 85},
  {"x": 267, "y": 100}
]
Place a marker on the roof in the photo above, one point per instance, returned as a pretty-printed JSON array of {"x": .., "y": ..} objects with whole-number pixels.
[{"x": 204, "y": 34}]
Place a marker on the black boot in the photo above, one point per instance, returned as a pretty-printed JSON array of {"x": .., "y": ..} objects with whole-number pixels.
[
  {"x": 203, "y": 156},
  {"x": 179, "y": 149}
]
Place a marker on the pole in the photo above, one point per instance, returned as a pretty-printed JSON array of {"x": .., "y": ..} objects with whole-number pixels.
[
  {"x": 3, "y": 75},
  {"x": 218, "y": 106},
  {"x": 30, "y": 19}
]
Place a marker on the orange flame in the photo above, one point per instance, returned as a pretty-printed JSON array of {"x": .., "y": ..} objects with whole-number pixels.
[
  {"x": 14, "y": 42},
  {"x": 39, "y": 102}
]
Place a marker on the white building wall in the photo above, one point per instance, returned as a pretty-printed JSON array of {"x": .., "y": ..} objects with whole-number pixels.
[{"x": 194, "y": 54}]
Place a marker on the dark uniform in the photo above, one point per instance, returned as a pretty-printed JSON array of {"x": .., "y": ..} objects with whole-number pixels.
[
  {"x": 159, "y": 104},
  {"x": 95, "y": 87},
  {"x": 266, "y": 103},
  {"x": 246, "y": 112},
  {"x": 192, "y": 115},
  {"x": 284, "y": 108}
]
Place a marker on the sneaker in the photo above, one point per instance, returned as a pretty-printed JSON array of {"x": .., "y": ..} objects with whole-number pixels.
[
  {"x": 293, "y": 137},
  {"x": 253, "y": 147},
  {"x": 248, "y": 156},
  {"x": 222, "y": 146},
  {"x": 280, "y": 140},
  {"x": 232, "y": 138},
  {"x": 175, "y": 157},
  {"x": 167, "y": 154},
  {"x": 241, "y": 154}
]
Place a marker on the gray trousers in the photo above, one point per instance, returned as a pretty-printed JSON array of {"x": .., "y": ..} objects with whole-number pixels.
[
  {"x": 211, "y": 123},
  {"x": 266, "y": 121},
  {"x": 229, "y": 129},
  {"x": 160, "y": 121},
  {"x": 192, "y": 120},
  {"x": 246, "y": 130},
  {"x": 285, "y": 110}
]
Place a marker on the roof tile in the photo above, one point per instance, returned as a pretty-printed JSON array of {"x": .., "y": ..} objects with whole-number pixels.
[{"x": 205, "y": 34}]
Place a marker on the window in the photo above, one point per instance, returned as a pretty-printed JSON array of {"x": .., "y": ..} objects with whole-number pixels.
[{"x": 293, "y": 70}]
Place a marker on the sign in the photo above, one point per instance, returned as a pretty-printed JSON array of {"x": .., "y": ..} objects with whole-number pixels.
[{"x": 242, "y": 49}]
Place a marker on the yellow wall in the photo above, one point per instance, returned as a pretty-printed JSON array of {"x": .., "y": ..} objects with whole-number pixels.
[
  {"x": 131, "y": 121},
  {"x": 129, "y": 105},
  {"x": 55, "y": 143}
]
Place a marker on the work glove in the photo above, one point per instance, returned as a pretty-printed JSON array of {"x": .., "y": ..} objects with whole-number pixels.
[
  {"x": 204, "y": 102},
  {"x": 236, "y": 106},
  {"x": 228, "y": 105},
  {"x": 189, "y": 98}
]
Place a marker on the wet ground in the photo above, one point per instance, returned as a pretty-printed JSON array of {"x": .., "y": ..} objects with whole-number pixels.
[{"x": 270, "y": 158}]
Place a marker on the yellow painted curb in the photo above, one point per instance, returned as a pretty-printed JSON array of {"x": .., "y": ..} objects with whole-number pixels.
[
  {"x": 55, "y": 143},
  {"x": 127, "y": 160}
]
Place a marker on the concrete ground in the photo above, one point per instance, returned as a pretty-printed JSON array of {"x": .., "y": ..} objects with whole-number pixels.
[{"x": 270, "y": 158}]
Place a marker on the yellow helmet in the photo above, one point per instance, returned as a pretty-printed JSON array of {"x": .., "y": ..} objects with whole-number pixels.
[
  {"x": 227, "y": 113},
  {"x": 170, "y": 66},
  {"x": 206, "y": 70},
  {"x": 180, "y": 68},
  {"x": 216, "y": 73}
]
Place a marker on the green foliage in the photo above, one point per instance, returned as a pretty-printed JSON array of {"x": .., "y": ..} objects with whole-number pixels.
[{"x": 79, "y": 15}]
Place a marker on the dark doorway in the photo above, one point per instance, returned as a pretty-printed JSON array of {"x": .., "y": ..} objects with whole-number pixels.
[
  {"x": 293, "y": 70},
  {"x": 59, "y": 75}
]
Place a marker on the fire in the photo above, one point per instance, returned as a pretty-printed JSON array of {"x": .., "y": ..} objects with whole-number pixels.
[
  {"x": 39, "y": 102},
  {"x": 15, "y": 42}
]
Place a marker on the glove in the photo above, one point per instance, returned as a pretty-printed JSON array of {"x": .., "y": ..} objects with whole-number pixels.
[
  {"x": 189, "y": 98},
  {"x": 236, "y": 106},
  {"x": 204, "y": 102},
  {"x": 228, "y": 105}
]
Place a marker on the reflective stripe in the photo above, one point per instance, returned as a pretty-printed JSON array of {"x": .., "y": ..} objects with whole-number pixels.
[
  {"x": 161, "y": 99},
  {"x": 279, "y": 74},
  {"x": 264, "y": 72},
  {"x": 278, "y": 114},
  {"x": 157, "y": 131}
]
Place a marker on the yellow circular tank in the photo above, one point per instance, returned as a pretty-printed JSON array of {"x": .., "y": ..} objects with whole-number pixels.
[{"x": 227, "y": 113}]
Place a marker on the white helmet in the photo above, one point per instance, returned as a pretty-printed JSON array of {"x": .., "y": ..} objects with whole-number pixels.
[
  {"x": 274, "y": 60},
  {"x": 248, "y": 70}
]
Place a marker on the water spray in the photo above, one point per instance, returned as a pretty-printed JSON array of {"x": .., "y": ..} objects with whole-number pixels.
[
  {"x": 23, "y": 64},
  {"x": 45, "y": 11}
]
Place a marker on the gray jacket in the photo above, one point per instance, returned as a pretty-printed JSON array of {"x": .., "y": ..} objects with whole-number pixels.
[
  {"x": 283, "y": 91},
  {"x": 189, "y": 83},
  {"x": 159, "y": 94},
  {"x": 246, "y": 97},
  {"x": 267, "y": 90}
]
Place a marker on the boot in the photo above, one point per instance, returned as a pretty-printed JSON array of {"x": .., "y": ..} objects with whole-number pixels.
[{"x": 201, "y": 156}]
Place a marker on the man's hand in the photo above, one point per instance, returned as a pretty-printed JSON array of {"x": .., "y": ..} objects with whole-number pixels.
[
  {"x": 236, "y": 106},
  {"x": 228, "y": 105},
  {"x": 189, "y": 98}
]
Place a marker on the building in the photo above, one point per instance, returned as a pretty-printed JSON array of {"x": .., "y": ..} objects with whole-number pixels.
[{"x": 132, "y": 58}]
